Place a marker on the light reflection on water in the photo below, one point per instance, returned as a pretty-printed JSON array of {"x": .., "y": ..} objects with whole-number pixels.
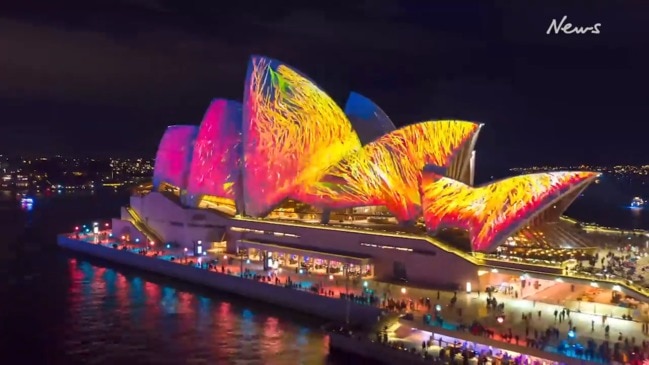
[{"x": 112, "y": 317}]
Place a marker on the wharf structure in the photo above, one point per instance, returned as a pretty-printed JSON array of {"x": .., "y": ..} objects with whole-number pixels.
[{"x": 288, "y": 178}]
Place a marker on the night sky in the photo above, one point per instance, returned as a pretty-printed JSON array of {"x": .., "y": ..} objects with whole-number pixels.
[{"x": 106, "y": 77}]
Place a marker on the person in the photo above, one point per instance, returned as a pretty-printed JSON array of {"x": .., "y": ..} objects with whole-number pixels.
[{"x": 592, "y": 326}]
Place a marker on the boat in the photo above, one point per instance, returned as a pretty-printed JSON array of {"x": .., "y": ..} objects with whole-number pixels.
[
  {"x": 637, "y": 203},
  {"x": 26, "y": 200}
]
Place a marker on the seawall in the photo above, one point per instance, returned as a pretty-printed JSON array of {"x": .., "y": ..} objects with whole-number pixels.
[
  {"x": 362, "y": 347},
  {"x": 324, "y": 307}
]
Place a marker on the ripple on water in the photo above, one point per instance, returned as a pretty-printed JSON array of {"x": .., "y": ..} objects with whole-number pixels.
[{"x": 103, "y": 316}]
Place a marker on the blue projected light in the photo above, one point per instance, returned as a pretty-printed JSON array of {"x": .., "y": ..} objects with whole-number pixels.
[{"x": 367, "y": 118}]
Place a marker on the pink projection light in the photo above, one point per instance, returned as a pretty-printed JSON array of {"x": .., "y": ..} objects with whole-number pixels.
[
  {"x": 215, "y": 164},
  {"x": 174, "y": 154}
]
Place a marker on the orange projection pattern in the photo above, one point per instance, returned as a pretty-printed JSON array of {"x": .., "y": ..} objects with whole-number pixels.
[
  {"x": 292, "y": 132},
  {"x": 495, "y": 211},
  {"x": 388, "y": 171}
]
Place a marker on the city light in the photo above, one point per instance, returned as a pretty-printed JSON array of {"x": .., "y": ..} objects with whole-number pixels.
[{"x": 403, "y": 290}]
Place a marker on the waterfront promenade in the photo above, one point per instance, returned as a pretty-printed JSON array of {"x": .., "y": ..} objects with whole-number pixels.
[{"x": 466, "y": 307}]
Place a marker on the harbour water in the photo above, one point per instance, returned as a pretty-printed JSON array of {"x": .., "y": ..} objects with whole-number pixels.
[
  {"x": 60, "y": 309},
  {"x": 608, "y": 203}
]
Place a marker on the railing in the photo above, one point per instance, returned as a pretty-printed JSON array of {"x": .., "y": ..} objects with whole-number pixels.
[{"x": 622, "y": 283}]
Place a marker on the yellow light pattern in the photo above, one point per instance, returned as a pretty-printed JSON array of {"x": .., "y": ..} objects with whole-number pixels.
[
  {"x": 495, "y": 211},
  {"x": 293, "y": 132},
  {"x": 388, "y": 171}
]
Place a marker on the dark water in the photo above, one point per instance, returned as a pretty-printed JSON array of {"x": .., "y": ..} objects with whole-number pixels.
[
  {"x": 607, "y": 203},
  {"x": 56, "y": 308}
]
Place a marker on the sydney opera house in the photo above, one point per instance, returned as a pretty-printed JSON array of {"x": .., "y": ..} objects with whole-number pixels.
[{"x": 289, "y": 177}]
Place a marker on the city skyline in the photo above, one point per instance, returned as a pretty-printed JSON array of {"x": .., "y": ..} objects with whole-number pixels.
[{"x": 111, "y": 83}]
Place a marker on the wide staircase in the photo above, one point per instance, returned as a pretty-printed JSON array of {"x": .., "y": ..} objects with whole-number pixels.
[{"x": 138, "y": 222}]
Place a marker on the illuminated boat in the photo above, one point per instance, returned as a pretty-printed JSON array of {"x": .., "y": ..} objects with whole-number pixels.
[
  {"x": 26, "y": 200},
  {"x": 637, "y": 203}
]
